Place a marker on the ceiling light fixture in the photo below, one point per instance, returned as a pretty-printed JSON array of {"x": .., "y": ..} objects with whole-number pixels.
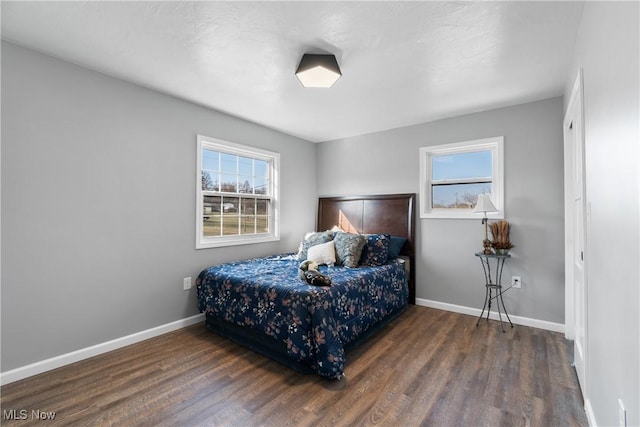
[{"x": 318, "y": 70}]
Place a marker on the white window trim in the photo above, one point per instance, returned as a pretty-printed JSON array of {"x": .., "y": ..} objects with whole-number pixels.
[
  {"x": 496, "y": 144},
  {"x": 274, "y": 179}
]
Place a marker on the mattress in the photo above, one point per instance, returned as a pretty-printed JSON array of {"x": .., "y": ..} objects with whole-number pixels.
[{"x": 312, "y": 325}]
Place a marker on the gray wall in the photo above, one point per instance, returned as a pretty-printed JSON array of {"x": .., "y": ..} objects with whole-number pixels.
[
  {"x": 98, "y": 205},
  {"x": 607, "y": 49},
  {"x": 446, "y": 270}
]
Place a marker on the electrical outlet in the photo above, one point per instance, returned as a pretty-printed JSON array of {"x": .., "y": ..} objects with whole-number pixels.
[
  {"x": 516, "y": 281},
  {"x": 622, "y": 414},
  {"x": 186, "y": 283}
]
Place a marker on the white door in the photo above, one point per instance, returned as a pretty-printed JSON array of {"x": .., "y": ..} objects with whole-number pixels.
[
  {"x": 579, "y": 294},
  {"x": 576, "y": 322}
]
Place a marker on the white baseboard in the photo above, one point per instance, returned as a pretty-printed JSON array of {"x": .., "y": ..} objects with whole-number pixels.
[
  {"x": 94, "y": 350},
  {"x": 519, "y": 320}
]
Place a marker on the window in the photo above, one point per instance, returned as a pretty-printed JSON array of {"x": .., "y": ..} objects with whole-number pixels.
[
  {"x": 452, "y": 176},
  {"x": 237, "y": 194}
]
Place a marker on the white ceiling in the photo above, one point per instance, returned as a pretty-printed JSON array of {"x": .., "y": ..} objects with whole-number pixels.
[{"x": 403, "y": 63}]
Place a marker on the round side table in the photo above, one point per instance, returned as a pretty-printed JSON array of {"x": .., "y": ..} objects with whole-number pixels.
[{"x": 492, "y": 287}]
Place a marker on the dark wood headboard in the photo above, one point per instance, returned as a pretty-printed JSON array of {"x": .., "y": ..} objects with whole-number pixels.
[{"x": 392, "y": 214}]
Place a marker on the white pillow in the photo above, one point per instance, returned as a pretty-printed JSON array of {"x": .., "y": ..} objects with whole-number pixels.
[{"x": 324, "y": 253}]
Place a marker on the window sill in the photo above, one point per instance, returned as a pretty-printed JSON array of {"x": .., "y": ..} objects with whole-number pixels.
[
  {"x": 460, "y": 215},
  {"x": 234, "y": 241}
]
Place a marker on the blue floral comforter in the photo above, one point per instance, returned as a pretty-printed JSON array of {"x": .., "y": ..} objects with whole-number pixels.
[{"x": 315, "y": 323}]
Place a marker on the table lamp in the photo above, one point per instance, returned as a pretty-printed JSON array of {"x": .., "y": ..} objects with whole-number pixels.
[{"x": 485, "y": 205}]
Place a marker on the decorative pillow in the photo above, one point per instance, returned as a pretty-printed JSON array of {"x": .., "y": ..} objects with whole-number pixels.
[
  {"x": 395, "y": 246},
  {"x": 312, "y": 239},
  {"x": 376, "y": 250},
  {"x": 348, "y": 248},
  {"x": 324, "y": 253}
]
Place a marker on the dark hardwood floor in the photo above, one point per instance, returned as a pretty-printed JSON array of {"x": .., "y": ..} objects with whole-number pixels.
[{"x": 428, "y": 367}]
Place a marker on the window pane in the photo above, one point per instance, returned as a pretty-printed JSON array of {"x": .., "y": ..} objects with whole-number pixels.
[
  {"x": 477, "y": 164},
  {"x": 211, "y": 225},
  {"x": 260, "y": 184},
  {"x": 245, "y": 166},
  {"x": 209, "y": 181},
  {"x": 262, "y": 207},
  {"x": 247, "y": 225},
  {"x": 230, "y": 215},
  {"x": 248, "y": 206},
  {"x": 229, "y": 183},
  {"x": 261, "y": 168},
  {"x": 211, "y": 205},
  {"x": 244, "y": 184},
  {"x": 262, "y": 224},
  {"x": 230, "y": 224},
  {"x": 210, "y": 160},
  {"x": 211, "y": 216},
  {"x": 230, "y": 205},
  {"x": 459, "y": 196},
  {"x": 229, "y": 163}
]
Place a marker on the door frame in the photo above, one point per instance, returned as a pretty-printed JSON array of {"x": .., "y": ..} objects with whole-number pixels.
[{"x": 575, "y": 108}]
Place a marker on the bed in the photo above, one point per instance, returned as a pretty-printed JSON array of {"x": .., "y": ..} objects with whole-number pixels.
[{"x": 264, "y": 304}]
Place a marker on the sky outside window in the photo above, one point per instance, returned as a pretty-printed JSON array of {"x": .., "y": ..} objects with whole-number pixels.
[{"x": 476, "y": 164}]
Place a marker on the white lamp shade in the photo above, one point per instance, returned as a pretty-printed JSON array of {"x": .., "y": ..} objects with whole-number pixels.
[
  {"x": 484, "y": 204},
  {"x": 318, "y": 70}
]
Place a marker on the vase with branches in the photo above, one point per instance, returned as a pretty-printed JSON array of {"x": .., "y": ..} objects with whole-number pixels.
[{"x": 500, "y": 233}]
